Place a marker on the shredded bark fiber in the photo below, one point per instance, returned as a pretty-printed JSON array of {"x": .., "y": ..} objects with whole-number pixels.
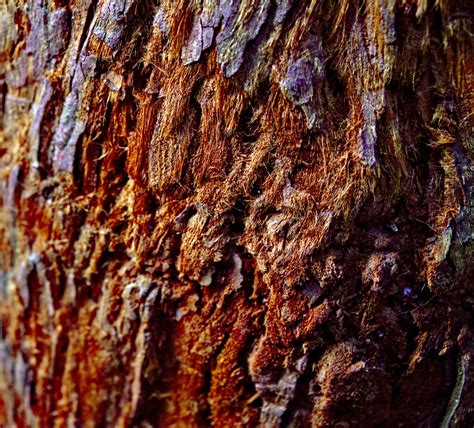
[{"x": 236, "y": 213}]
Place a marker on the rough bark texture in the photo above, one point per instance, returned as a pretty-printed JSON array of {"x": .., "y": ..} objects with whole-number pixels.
[{"x": 236, "y": 213}]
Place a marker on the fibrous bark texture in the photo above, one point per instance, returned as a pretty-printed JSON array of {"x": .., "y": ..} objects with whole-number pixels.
[{"x": 236, "y": 213}]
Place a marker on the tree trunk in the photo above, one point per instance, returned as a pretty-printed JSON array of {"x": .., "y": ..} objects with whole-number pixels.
[{"x": 236, "y": 213}]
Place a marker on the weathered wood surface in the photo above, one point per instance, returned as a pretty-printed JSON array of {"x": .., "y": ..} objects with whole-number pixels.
[{"x": 236, "y": 212}]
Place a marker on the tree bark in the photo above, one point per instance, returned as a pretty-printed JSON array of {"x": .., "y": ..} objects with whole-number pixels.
[{"x": 236, "y": 213}]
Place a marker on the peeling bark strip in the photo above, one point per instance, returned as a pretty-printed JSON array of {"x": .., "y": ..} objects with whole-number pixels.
[{"x": 236, "y": 213}]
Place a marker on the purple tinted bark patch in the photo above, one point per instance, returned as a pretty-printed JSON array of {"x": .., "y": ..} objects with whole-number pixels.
[
  {"x": 283, "y": 8},
  {"x": 12, "y": 187},
  {"x": 298, "y": 82},
  {"x": 111, "y": 23},
  {"x": 71, "y": 127},
  {"x": 161, "y": 22},
  {"x": 241, "y": 24},
  {"x": 373, "y": 103},
  {"x": 191, "y": 52},
  {"x": 202, "y": 33},
  {"x": 302, "y": 79},
  {"x": 238, "y": 30},
  {"x": 58, "y": 27},
  {"x": 368, "y": 136},
  {"x": 38, "y": 110}
]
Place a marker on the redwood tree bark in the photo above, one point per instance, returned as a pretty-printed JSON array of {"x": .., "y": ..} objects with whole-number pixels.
[{"x": 236, "y": 213}]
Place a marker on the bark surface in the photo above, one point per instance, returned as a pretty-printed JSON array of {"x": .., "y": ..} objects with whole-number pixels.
[{"x": 236, "y": 213}]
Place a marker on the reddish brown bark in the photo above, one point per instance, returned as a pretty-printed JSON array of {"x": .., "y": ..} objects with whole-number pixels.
[{"x": 236, "y": 213}]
